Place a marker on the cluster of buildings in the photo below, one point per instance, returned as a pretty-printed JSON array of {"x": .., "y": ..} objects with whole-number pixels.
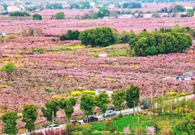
[{"x": 186, "y": 76}]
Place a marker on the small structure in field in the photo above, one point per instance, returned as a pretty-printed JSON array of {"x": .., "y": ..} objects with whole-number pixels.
[
  {"x": 98, "y": 91},
  {"x": 103, "y": 55}
]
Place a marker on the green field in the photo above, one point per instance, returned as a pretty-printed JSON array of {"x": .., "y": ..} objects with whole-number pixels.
[{"x": 120, "y": 123}]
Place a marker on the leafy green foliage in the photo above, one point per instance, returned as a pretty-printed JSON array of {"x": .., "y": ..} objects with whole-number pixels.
[
  {"x": 132, "y": 95},
  {"x": 179, "y": 8},
  {"x": 50, "y": 106},
  {"x": 187, "y": 124},
  {"x": 19, "y": 13},
  {"x": 8, "y": 68},
  {"x": 84, "y": 5},
  {"x": 67, "y": 105},
  {"x": 71, "y": 35},
  {"x": 70, "y": 128},
  {"x": 55, "y": 6},
  {"x": 34, "y": 8},
  {"x": 102, "y": 36},
  {"x": 118, "y": 98},
  {"x": 87, "y": 104},
  {"x": 9, "y": 118},
  {"x": 60, "y": 15},
  {"x": 103, "y": 12},
  {"x": 37, "y": 17},
  {"x": 101, "y": 101},
  {"x": 190, "y": 12},
  {"x": 120, "y": 123},
  {"x": 132, "y": 5},
  {"x": 30, "y": 115},
  {"x": 84, "y": 129},
  {"x": 5, "y": 6},
  {"x": 155, "y": 15},
  {"x": 159, "y": 43},
  {"x": 39, "y": 50}
]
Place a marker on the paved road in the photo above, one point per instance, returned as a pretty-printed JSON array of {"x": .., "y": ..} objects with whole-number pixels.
[
  {"x": 124, "y": 112},
  {"x": 100, "y": 118}
]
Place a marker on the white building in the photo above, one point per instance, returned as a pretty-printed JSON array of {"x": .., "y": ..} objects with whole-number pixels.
[
  {"x": 15, "y": 8},
  {"x": 1, "y": 8},
  {"x": 111, "y": 6}
]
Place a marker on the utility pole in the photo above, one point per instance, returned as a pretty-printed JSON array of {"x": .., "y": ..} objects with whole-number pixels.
[{"x": 52, "y": 119}]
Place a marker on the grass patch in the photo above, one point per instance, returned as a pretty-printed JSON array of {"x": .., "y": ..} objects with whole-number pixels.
[
  {"x": 120, "y": 123},
  {"x": 119, "y": 53}
]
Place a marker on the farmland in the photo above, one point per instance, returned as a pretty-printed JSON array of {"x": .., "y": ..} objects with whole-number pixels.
[
  {"x": 57, "y": 27},
  {"x": 50, "y": 69},
  {"x": 62, "y": 67}
]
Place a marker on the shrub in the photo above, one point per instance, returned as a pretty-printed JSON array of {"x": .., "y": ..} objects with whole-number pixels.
[
  {"x": 71, "y": 35},
  {"x": 38, "y": 50},
  {"x": 70, "y": 128},
  {"x": 102, "y": 36},
  {"x": 91, "y": 92},
  {"x": 109, "y": 123},
  {"x": 120, "y": 115},
  {"x": 171, "y": 93},
  {"x": 112, "y": 130},
  {"x": 48, "y": 90},
  {"x": 18, "y": 13},
  {"x": 60, "y": 15},
  {"x": 76, "y": 93},
  {"x": 86, "y": 129},
  {"x": 37, "y": 17},
  {"x": 103, "y": 12},
  {"x": 3, "y": 86},
  {"x": 183, "y": 94},
  {"x": 9, "y": 37}
]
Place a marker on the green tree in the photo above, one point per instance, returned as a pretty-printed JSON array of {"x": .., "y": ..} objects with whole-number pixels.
[
  {"x": 55, "y": 6},
  {"x": 19, "y": 13},
  {"x": 71, "y": 35},
  {"x": 102, "y": 36},
  {"x": 60, "y": 15},
  {"x": 132, "y": 97},
  {"x": 155, "y": 15},
  {"x": 30, "y": 115},
  {"x": 9, "y": 118},
  {"x": 8, "y": 68},
  {"x": 101, "y": 101},
  {"x": 5, "y": 6},
  {"x": 85, "y": 5},
  {"x": 87, "y": 104},
  {"x": 67, "y": 105},
  {"x": 126, "y": 36},
  {"x": 37, "y": 17},
  {"x": 179, "y": 8},
  {"x": 187, "y": 124},
  {"x": 118, "y": 98},
  {"x": 51, "y": 106},
  {"x": 103, "y": 12},
  {"x": 190, "y": 12}
]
